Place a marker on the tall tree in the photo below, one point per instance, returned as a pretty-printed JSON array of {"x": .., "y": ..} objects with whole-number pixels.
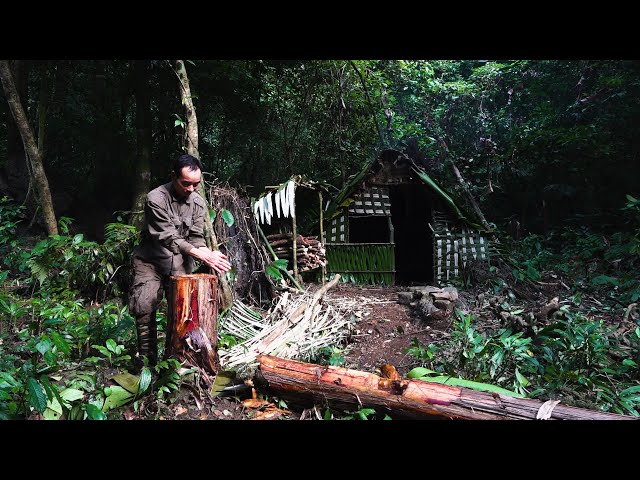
[
  {"x": 143, "y": 143},
  {"x": 191, "y": 142},
  {"x": 17, "y": 172},
  {"x": 30, "y": 147}
]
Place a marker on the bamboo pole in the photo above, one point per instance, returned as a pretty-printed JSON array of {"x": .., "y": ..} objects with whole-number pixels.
[
  {"x": 324, "y": 270},
  {"x": 275, "y": 257},
  {"x": 295, "y": 240}
]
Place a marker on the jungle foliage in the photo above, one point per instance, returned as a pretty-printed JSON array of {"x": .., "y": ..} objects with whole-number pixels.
[{"x": 549, "y": 148}]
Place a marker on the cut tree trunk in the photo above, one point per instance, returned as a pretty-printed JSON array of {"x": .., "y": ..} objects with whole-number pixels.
[
  {"x": 347, "y": 389},
  {"x": 192, "y": 332}
]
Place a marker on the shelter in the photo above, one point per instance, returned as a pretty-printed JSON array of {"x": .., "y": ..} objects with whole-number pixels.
[{"x": 393, "y": 224}]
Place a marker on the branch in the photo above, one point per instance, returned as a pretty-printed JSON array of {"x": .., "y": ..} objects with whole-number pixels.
[{"x": 366, "y": 92}]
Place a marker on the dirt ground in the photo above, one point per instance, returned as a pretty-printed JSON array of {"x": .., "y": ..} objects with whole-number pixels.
[{"x": 384, "y": 331}]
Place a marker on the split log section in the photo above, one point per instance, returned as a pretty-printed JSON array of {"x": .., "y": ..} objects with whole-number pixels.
[
  {"x": 348, "y": 389},
  {"x": 192, "y": 333}
]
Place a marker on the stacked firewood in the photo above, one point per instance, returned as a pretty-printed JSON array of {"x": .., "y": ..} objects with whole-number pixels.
[{"x": 310, "y": 253}]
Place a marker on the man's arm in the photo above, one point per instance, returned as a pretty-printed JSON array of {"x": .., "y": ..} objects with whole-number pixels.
[{"x": 213, "y": 258}]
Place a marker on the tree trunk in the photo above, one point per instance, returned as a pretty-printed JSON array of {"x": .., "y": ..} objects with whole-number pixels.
[
  {"x": 143, "y": 142},
  {"x": 191, "y": 133},
  {"x": 17, "y": 172},
  {"x": 347, "y": 389},
  {"x": 37, "y": 169},
  {"x": 192, "y": 332},
  {"x": 470, "y": 197},
  {"x": 164, "y": 101}
]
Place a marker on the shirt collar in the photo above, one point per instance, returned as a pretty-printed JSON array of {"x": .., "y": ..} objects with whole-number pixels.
[{"x": 175, "y": 198}]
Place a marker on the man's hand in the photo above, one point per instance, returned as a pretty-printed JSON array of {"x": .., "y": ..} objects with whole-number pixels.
[{"x": 216, "y": 260}]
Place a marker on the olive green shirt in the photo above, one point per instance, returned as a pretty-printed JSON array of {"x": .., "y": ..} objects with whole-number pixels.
[{"x": 172, "y": 228}]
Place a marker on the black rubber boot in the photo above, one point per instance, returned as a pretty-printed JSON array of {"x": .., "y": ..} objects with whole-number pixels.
[{"x": 147, "y": 338}]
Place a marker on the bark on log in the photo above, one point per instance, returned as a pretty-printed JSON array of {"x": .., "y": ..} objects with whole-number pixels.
[
  {"x": 348, "y": 389},
  {"x": 192, "y": 332}
]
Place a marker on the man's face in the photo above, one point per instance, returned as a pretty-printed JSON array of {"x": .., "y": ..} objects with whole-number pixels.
[{"x": 187, "y": 182}]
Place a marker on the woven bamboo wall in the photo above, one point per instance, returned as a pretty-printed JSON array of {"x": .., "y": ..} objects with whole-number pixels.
[
  {"x": 453, "y": 246},
  {"x": 362, "y": 263}
]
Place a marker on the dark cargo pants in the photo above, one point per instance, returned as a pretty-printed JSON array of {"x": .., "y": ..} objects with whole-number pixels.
[{"x": 147, "y": 290}]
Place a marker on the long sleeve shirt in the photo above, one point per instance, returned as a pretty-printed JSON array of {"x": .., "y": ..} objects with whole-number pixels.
[{"x": 172, "y": 228}]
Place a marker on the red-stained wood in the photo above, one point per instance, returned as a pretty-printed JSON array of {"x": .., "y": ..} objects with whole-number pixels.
[
  {"x": 192, "y": 322},
  {"x": 349, "y": 389}
]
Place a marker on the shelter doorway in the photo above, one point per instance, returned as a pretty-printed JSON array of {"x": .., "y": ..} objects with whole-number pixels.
[{"x": 411, "y": 211}]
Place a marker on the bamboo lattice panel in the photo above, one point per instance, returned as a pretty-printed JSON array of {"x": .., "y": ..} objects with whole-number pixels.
[
  {"x": 368, "y": 264},
  {"x": 373, "y": 201}
]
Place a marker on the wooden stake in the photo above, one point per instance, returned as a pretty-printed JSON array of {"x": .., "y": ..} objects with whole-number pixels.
[{"x": 324, "y": 268}]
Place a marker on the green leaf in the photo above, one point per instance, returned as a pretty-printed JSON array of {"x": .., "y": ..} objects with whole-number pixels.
[
  {"x": 213, "y": 214},
  {"x": 116, "y": 397},
  {"x": 420, "y": 372},
  {"x": 35, "y": 395},
  {"x": 60, "y": 343},
  {"x": 523, "y": 381},
  {"x": 44, "y": 345},
  {"x": 78, "y": 238},
  {"x": 102, "y": 350},
  {"x": 53, "y": 411},
  {"x": 630, "y": 390},
  {"x": 71, "y": 394},
  {"x": 76, "y": 413},
  {"x": 49, "y": 389},
  {"x": 112, "y": 346},
  {"x": 459, "y": 382},
  {"x": 227, "y": 216},
  {"x": 273, "y": 272},
  {"x": 145, "y": 380},
  {"x": 127, "y": 381},
  {"x": 93, "y": 412},
  {"x": 604, "y": 280},
  {"x": 280, "y": 263}
]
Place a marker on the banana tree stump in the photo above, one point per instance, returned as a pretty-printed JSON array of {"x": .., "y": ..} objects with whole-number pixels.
[{"x": 192, "y": 332}]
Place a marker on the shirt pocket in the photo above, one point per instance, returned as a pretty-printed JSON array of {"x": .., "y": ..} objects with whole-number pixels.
[
  {"x": 188, "y": 223},
  {"x": 178, "y": 225}
]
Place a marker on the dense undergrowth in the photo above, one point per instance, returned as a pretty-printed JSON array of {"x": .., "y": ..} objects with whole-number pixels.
[
  {"x": 587, "y": 353},
  {"x": 66, "y": 334}
]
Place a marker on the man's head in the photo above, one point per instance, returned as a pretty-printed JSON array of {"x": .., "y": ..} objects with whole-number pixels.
[{"x": 186, "y": 175}]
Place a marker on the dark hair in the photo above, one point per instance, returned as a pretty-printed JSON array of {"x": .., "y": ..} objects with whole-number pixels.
[{"x": 186, "y": 160}]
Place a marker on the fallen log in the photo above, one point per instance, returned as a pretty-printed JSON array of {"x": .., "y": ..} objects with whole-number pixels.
[{"x": 309, "y": 384}]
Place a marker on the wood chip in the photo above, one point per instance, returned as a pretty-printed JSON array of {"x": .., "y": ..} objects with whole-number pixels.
[{"x": 544, "y": 412}]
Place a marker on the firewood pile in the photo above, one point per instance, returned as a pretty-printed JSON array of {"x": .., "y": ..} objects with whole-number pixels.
[{"x": 310, "y": 253}]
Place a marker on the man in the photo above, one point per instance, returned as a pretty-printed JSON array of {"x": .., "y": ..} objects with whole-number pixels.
[{"x": 172, "y": 237}]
